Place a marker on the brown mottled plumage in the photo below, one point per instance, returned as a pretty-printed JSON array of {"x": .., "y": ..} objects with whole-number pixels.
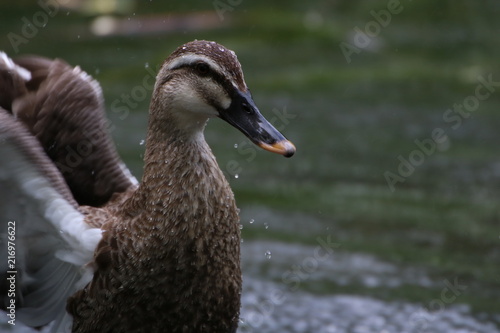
[
  {"x": 169, "y": 257},
  {"x": 65, "y": 114}
]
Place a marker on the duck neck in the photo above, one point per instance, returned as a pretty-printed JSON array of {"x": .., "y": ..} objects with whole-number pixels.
[
  {"x": 182, "y": 188},
  {"x": 184, "y": 218}
]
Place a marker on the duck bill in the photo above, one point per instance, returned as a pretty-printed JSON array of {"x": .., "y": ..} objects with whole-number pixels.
[{"x": 245, "y": 116}]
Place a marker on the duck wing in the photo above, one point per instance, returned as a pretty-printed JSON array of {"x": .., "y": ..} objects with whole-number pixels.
[
  {"x": 45, "y": 245},
  {"x": 62, "y": 107}
]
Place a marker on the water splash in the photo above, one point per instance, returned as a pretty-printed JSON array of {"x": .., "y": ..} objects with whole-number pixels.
[{"x": 268, "y": 254}]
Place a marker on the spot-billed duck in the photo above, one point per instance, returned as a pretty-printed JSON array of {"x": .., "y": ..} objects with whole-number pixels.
[{"x": 96, "y": 251}]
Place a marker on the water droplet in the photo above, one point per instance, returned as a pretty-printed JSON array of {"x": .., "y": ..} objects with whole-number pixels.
[
  {"x": 236, "y": 176},
  {"x": 266, "y": 225},
  {"x": 78, "y": 36},
  {"x": 221, "y": 49},
  {"x": 268, "y": 254},
  {"x": 235, "y": 145},
  {"x": 251, "y": 221},
  {"x": 241, "y": 241},
  {"x": 241, "y": 226},
  {"x": 142, "y": 142},
  {"x": 146, "y": 65},
  {"x": 184, "y": 47}
]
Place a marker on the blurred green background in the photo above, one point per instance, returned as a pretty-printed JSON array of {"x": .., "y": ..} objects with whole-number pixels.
[{"x": 353, "y": 119}]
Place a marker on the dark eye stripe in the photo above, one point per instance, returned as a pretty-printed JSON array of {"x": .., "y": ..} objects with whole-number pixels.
[{"x": 214, "y": 75}]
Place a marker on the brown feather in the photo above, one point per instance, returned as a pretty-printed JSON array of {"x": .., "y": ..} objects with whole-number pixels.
[{"x": 64, "y": 110}]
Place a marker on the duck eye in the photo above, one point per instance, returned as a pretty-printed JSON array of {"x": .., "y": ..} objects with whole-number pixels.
[{"x": 202, "y": 68}]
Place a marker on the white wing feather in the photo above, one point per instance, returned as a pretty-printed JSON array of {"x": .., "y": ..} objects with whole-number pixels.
[{"x": 53, "y": 244}]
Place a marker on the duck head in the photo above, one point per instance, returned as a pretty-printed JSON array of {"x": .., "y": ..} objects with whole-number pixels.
[{"x": 202, "y": 80}]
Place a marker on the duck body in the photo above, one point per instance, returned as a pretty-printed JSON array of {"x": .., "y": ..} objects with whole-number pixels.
[
  {"x": 178, "y": 252},
  {"x": 159, "y": 256}
]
